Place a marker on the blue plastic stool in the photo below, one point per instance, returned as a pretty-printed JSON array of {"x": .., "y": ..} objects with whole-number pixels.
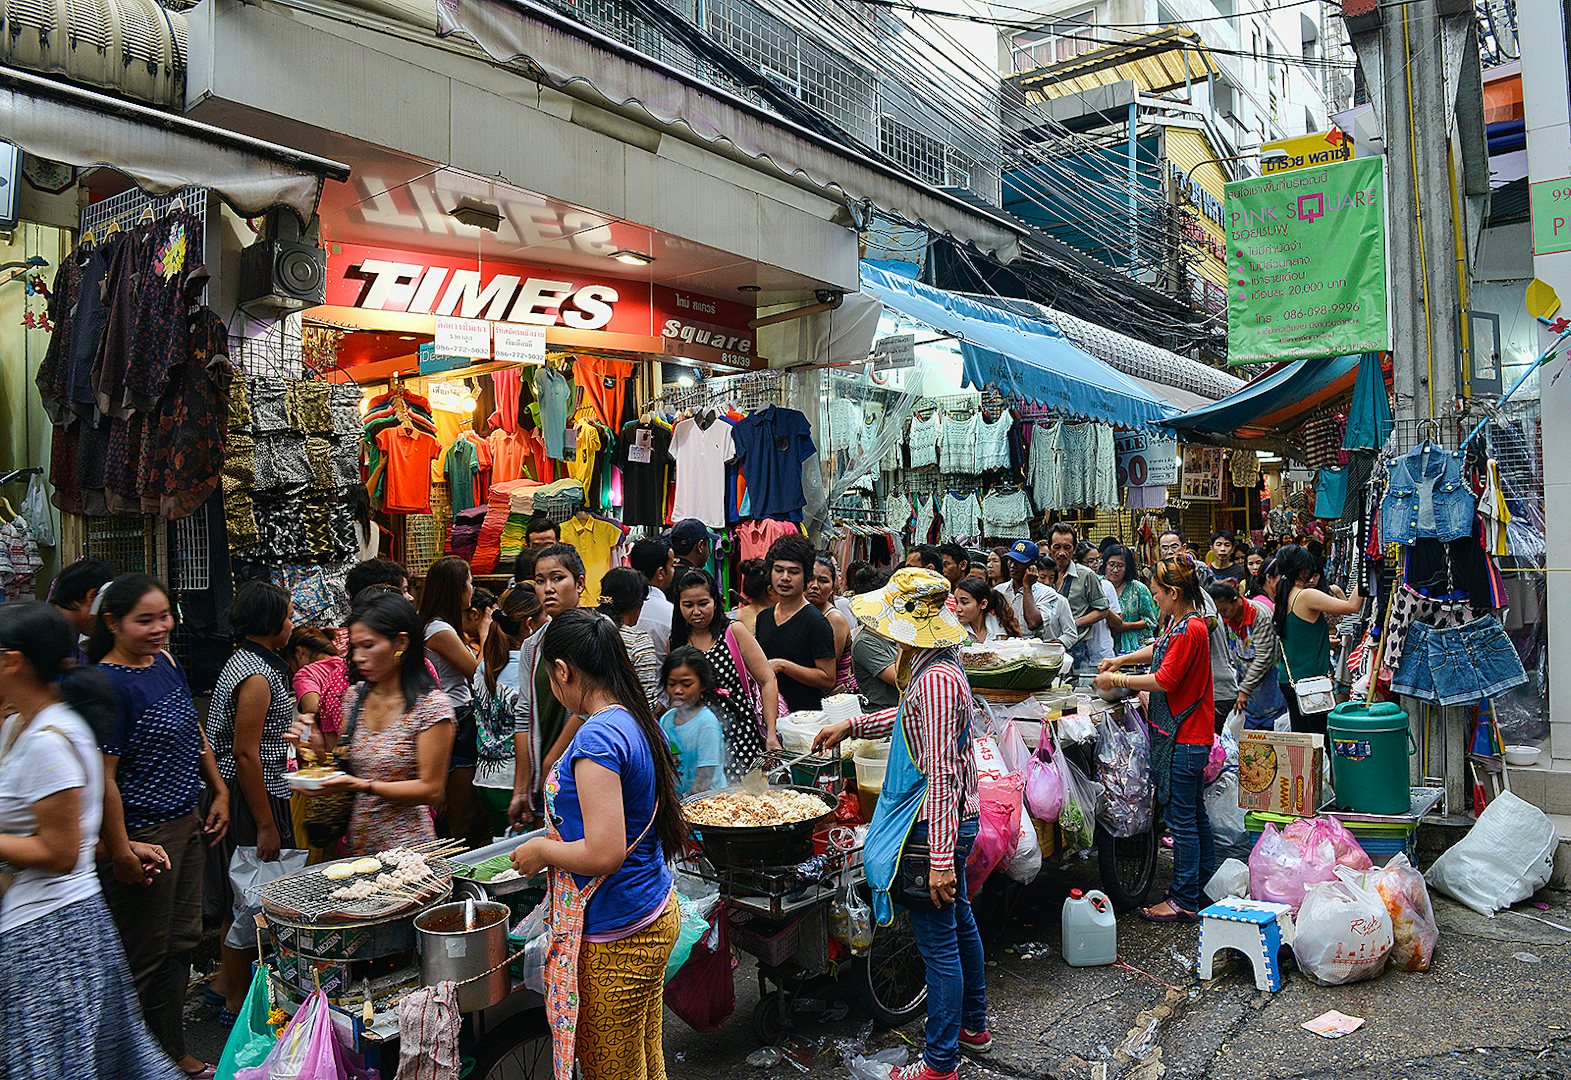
[{"x": 1257, "y": 929}]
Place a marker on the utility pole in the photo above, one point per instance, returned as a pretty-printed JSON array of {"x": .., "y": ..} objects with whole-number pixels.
[{"x": 1421, "y": 65}]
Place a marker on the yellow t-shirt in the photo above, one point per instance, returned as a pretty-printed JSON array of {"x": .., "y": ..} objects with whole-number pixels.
[
  {"x": 594, "y": 540},
  {"x": 582, "y": 467}
]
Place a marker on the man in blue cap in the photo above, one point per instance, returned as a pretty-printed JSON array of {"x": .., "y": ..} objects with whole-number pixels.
[{"x": 1039, "y": 610}]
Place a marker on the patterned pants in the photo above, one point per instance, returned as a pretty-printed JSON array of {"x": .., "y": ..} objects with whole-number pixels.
[{"x": 620, "y": 1004}]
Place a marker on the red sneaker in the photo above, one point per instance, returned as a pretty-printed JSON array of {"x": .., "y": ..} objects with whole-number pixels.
[
  {"x": 918, "y": 1070},
  {"x": 976, "y": 1042}
]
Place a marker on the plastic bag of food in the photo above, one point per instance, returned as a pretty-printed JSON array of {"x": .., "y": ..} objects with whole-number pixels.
[
  {"x": 1412, "y": 917},
  {"x": 248, "y": 876},
  {"x": 1349, "y": 853},
  {"x": 1123, "y": 760},
  {"x": 1280, "y": 870},
  {"x": 859, "y": 923},
  {"x": 1077, "y": 819},
  {"x": 308, "y": 1049},
  {"x": 1044, "y": 786},
  {"x": 1343, "y": 932},
  {"x": 997, "y": 832}
]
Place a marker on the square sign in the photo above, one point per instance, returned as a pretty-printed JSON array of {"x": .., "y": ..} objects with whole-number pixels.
[
  {"x": 519, "y": 344},
  {"x": 1306, "y": 264},
  {"x": 1550, "y": 202}
]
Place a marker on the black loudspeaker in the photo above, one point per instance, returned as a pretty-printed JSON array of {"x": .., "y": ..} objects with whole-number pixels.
[{"x": 286, "y": 269}]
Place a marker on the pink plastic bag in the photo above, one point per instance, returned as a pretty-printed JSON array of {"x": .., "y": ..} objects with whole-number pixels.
[
  {"x": 1217, "y": 762},
  {"x": 997, "y": 833},
  {"x": 1044, "y": 795},
  {"x": 1305, "y": 831},
  {"x": 1280, "y": 870},
  {"x": 308, "y": 1049}
]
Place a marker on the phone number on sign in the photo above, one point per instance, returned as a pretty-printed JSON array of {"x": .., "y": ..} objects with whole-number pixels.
[{"x": 1323, "y": 309}]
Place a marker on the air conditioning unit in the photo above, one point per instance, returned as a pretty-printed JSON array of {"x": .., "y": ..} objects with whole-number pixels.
[{"x": 286, "y": 269}]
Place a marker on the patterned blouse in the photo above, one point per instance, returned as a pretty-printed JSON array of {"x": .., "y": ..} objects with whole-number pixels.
[
  {"x": 390, "y": 755},
  {"x": 251, "y": 660}
]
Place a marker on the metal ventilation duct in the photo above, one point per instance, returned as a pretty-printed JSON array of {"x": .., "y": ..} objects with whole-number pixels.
[{"x": 133, "y": 48}]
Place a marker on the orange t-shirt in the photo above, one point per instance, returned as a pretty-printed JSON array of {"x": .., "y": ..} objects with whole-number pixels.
[
  {"x": 409, "y": 454},
  {"x": 508, "y": 451},
  {"x": 604, "y": 383}
]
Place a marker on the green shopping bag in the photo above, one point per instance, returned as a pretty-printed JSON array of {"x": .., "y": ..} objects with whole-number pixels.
[{"x": 252, "y": 1039}]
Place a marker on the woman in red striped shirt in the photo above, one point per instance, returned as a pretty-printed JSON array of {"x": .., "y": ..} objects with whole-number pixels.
[{"x": 927, "y": 813}]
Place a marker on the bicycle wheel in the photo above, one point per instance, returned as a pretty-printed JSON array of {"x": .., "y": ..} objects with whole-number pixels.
[
  {"x": 891, "y": 979},
  {"x": 519, "y": 1049}
]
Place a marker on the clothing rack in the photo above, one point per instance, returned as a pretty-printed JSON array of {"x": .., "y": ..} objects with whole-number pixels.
[
  {"x": 748, "y": 391},
  {"x": 20, "y": 474}
]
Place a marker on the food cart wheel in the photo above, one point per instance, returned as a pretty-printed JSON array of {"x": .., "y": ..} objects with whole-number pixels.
[
  {"x": 519, "y": 1049},
  {"x": 891, "y": 979},
  {"x": 771, "y": 1018},
  {"x": 1128, "y": 866}
]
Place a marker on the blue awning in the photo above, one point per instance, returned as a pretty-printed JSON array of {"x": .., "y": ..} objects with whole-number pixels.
[
  {"x": 1273, "y": 403},
  {"x": 1027, "y": 358}
]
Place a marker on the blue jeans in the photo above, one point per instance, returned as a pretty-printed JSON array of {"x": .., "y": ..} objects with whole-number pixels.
[
  {"x": 951, "y": 951},
  {"x": 1194, "y": 855}
]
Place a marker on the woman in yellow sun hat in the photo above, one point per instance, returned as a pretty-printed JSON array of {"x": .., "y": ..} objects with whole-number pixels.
[{"x": 926, "y": 819}]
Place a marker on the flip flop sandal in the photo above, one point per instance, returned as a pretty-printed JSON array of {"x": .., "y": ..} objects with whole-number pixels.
[
  {"x": 1178, "y": 915},
  {"x": 206, "y": 1072},
  {"x": 226, "y": 1019}
]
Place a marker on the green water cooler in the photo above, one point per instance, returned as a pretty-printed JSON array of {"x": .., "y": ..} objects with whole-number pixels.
[{"x": 1369, "y": 746}]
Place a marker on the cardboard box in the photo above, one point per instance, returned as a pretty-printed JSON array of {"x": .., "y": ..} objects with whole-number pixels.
[{"x": 1279, "y": 772}]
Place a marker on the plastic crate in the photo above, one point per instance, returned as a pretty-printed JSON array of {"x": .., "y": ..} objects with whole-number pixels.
[
  {"x": 772, "y": 943},
  {"x": 1380, "y": 840}
]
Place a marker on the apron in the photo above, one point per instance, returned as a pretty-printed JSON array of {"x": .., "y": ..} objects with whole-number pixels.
[
  {"x": 1160, "y": 719},
  {"x": 899, "y": 803},
  {"x": 569, "y": 904}
]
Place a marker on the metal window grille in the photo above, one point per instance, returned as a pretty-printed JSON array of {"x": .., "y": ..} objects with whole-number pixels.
[
  {"x": 919, "y": 154},
  {"x": 129, "y": 544},
  {"x": 190, "y": 567},
  {"x": 425, "y": 535}
]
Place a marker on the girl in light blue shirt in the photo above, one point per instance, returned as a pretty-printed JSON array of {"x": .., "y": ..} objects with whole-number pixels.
[{"x": 692, "y": 724}]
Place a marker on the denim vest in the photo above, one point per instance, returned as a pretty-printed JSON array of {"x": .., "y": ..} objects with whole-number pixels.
[{"x": 1426, "y": 498}]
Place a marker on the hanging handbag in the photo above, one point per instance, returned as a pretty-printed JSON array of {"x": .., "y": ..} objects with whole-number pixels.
[{"x": 1316, "y": 694}]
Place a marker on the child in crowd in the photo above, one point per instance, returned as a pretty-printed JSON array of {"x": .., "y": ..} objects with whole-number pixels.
[{"x": 691, "y": 725}]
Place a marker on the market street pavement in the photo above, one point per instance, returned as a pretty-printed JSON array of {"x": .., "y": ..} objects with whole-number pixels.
[{"x": 1493, "y": 1005}]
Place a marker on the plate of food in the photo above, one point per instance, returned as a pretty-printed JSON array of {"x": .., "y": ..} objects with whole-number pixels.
[{"x": 312, "y": 778}]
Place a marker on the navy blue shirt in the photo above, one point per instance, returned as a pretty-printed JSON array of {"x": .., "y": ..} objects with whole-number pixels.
[
  {"x": 771, "y": 446},
  {"x": 156, "y": 736},
  {"x": 612, "y": 738}
]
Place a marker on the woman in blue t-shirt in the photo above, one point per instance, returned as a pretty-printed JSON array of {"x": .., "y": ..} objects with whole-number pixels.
[
  {"x": 156, "y": 758},
  {"x": 614, "y": 822}
]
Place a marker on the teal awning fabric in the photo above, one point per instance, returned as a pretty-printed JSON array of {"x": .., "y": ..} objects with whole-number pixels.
[
  {"x": 1273, "y": 403},
  {"x": 1026, "y": 358}
]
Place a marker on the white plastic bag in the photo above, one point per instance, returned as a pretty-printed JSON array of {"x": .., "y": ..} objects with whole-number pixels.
[
  {"x": 876, "y": 1066},
  {"x": 1231, "y": 879},
  {"x": 1026, "y": 863},
  {"x": 535, "y": 932},
  {"x": 1343, "y": 932},
  {"x": 35, "y": 511},
  {"x": 1505, "y": 858},
  {"x": 1074, "y": 728},
  {"x": 248, "y": 875},
  {"x": 1226, "y": 816}
]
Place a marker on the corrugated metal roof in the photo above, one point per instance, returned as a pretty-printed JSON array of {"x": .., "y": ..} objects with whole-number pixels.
[{"x": 1156, "y": 63}]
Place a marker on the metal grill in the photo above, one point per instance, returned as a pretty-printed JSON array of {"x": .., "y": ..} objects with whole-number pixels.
[
  {"x": 308, "y": 895},
  {"x": 190, "y": 567},
  {"x": 919, "y": 154},
  {"x": 425, "y": 537},
  {"x": 128, "y": 206},
  {"x": 128, "y": 544}
]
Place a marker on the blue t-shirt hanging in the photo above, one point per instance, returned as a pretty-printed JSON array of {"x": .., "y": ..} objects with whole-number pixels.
[
  {"x": 554, "y": 393},
  {"x": 771, "y": 446}
]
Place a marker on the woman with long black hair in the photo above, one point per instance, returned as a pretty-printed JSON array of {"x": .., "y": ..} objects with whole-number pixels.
[
  {"x": 398, "y": 730},
  {"x": 747, "y": 681},
  {"x": 499, "y": 706},
  {"x": 614, "y": 822},
  {"x": 155, "y": 760},
  {"x": 1182, "y": 723},
  {"x": 67, "y": 1007},
  {"x": 444, "y": 602},
  {"x": 1301, "y": 627}
]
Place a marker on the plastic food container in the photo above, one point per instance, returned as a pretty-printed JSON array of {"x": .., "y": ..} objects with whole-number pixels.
[
  {"x": 309, "y": 781},
  {"x": 870, "y": 780}
]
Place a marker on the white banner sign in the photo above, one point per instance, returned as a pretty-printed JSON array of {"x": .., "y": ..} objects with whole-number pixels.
[
  {"x": 519, "y": 344},
  {"x": 894, "y": 351},
  {"x": 463, "y": 337},
  {"x": 1144, "y": 461}
]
